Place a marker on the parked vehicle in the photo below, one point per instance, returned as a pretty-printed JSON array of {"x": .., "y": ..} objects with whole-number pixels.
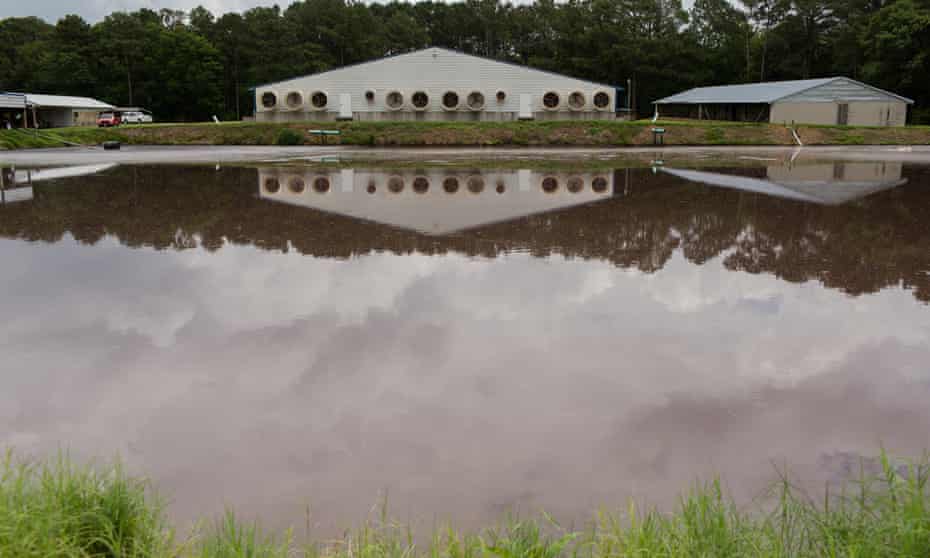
[
  {"x": 107, "y": 119},
  {"x": 136, "y": 117}
]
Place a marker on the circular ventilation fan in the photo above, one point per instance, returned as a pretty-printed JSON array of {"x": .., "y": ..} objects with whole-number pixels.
[{"x": 269, "y": 100}]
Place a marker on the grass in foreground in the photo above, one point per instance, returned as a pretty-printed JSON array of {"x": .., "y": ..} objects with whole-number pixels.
[{"x": 60, "y": 509}]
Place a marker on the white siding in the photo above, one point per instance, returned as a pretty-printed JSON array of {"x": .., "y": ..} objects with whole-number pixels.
[
  {"x": 433, "y": 71},
  {"x": 366, "y": 194}
]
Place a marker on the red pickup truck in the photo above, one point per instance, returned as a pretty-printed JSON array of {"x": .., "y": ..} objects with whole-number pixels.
[{"x": 106, "y": 119}]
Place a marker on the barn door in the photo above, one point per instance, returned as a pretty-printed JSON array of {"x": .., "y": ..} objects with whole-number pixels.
[
  {"x": 526, "y": 106},
  {"x": 345, "y": 106},
  {"x": 842, "y": 114}
]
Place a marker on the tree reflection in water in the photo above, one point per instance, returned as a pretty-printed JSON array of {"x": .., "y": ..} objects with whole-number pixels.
[{"x": 859, "y": 246}]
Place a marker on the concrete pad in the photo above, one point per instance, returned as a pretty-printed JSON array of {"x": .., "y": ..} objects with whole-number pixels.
[{"x": 134, "y": 154}]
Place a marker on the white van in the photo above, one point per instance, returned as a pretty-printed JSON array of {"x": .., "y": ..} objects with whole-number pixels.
[{"x": 136, "y": 117}]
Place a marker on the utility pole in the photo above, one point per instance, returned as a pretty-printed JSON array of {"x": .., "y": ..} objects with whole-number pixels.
[
  {"x": 633, "y": 112},
  {"x": 128, "y": 76},
  {"x": 629, "y": 91},
  {"x": 236, "y": 69}
]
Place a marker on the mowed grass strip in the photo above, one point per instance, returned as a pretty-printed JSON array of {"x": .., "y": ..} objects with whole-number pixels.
[
  {"x": 581, "y": 133},
  {"x": 56, "y": 508}
]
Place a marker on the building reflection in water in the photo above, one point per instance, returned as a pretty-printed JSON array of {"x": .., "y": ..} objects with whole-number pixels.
[
  {"x": 434, "y": 201},
  {"x": 16, "y": 185},
  {"x": 833, "y": 183},
  {"x": 665, "y": 316},
  {"x": 789, "y": 221}
]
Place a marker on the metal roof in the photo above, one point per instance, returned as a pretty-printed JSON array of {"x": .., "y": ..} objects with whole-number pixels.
[
  {"x": 744, "y": 93},
  {"x": 450, "y": 50},
  {"x": 766, "y": 92},
  {"x": 41, "y": 100},
  {"x": 65, "y": 101},
  {"x": 822, "y": 192},
  {"x": 12, "y": 100}
]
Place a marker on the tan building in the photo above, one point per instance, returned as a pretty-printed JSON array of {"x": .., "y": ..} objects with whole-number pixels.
[
  {"x": 840, "y": 101},
  {"x": 832, "y": 183}
]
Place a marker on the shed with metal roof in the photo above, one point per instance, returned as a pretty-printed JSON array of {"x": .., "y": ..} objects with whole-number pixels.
[
  {"x": 836, "y": 100},
  {"x": 51, "y": 111}
]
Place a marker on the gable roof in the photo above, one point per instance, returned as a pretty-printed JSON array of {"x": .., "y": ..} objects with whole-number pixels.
[
  {"x": 12, "y": 100},
  {"x": 821, "y": 192},
  {"x": 41, "y": 100},
  {"x": 435, "y": 212},
  {"x": 441, "y": 49},
  {"x": 763, "y": 93}
]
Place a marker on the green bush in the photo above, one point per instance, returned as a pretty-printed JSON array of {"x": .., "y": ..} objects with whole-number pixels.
[
  {"x": 920, "y": 116},
  {"x": 288, "y": 136}
]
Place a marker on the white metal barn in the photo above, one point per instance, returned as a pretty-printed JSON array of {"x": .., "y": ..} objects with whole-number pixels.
[
  {"x": 58, "y": 111},
  {"x": 437, "y": 201},
  {"x": 838, "y": 100},
  {"x": 51, "y": 111},
  {"x": 435, "y": 84}
]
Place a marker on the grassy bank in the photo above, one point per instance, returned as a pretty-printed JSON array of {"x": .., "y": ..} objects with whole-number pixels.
[
  {"x": 61, "y": 509},
  {"x": 587, "y": 133}
]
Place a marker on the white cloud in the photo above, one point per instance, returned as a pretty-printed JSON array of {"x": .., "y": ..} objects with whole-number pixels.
[{"x": 463, "y": 385}]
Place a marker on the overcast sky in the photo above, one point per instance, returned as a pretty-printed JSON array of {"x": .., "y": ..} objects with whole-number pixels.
[{"x": 95, "y": 10}]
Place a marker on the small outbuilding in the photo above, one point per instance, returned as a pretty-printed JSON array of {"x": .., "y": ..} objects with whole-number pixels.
[
  {"x": 838, "y": 100},
  {"x": 437, "y": 84},
  {"x": 23, "y": 110}
]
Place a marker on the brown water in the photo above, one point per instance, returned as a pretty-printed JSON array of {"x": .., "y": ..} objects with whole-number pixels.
[{"x": 281, "y": 337}]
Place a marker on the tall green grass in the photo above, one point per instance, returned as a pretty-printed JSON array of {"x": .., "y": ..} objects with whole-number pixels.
[
  {"x": 57, "y": 508},
  {"x": 60, "y": 509}
]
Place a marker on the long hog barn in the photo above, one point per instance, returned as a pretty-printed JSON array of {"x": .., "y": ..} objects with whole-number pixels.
[{"x": 436, "y": 84}]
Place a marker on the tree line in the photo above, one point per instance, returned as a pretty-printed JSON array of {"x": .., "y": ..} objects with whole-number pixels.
[{"x": 193, "y": 65}]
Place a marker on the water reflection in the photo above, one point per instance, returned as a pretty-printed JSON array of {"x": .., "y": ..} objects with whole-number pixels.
[
  {"x": 16, "y": 186},
  {"x": 833, "y": 183},
  {"x": 435, "y": 202},
  {"x": 632, "y": 218},
  {"x": 603, "y": 345}
]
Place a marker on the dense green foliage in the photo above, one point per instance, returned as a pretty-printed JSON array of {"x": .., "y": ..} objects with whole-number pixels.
[
  {"x": 288, "y": 136},
  {"x": 60, "y": 509},
  {"x": 189, "y": 66}
]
